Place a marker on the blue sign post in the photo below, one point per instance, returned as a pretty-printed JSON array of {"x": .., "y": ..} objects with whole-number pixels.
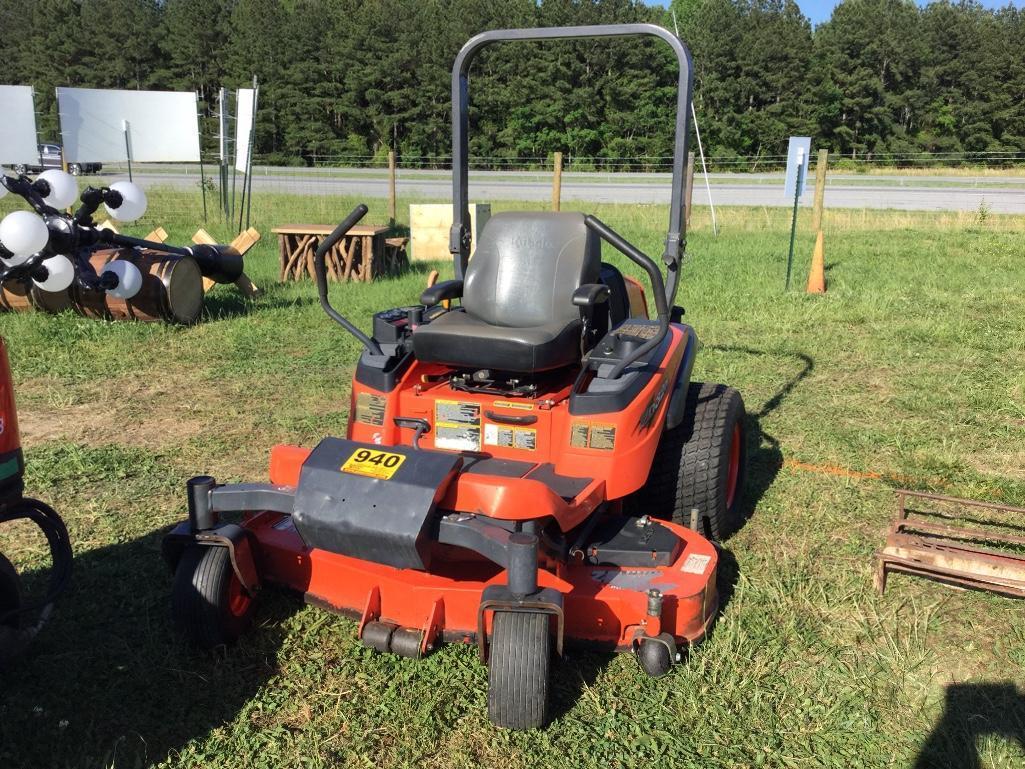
[{"x": 798, "y": 154}]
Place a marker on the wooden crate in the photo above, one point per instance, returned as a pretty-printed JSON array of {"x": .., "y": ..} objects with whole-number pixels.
[{"x": 431, "y": 223}]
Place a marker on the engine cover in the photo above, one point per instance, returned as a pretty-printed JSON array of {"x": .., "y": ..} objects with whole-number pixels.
[{"x": 371, "y": 502}]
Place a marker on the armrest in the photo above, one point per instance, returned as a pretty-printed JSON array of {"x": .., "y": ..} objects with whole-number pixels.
[
  {"x": 590, "y": 294},
  {"x": 439, "y": 292}
]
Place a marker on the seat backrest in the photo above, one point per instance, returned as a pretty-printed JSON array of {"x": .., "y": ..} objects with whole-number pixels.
[{"x": 526, "y": 267}]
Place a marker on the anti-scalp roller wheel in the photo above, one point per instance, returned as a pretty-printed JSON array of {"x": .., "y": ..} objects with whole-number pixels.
[{"x": 378, "y": 635}]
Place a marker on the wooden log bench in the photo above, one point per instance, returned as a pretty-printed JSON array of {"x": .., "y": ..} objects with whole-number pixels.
[{"x": 366, "y": 252}]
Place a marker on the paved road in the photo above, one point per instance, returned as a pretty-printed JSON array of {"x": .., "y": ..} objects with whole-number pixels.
[{"x": 924, "y": 193}]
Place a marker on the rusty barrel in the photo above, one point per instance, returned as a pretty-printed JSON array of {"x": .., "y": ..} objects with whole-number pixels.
[
  {"x": 17, "y": 296},
  {"x": 172, "y": 288}
]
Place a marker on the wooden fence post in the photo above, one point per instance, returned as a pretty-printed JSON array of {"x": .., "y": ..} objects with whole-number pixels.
[
  {"x": 820, "y": 191},
  {"x": 391, "y": 188},
  {"x": 557, "y": 183},
  {"x": 688, "y": 204}
]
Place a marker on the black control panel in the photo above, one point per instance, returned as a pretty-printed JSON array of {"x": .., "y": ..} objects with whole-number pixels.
[{"x": 394, "y": 325}]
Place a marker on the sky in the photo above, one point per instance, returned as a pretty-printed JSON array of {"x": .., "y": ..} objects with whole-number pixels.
[{"x": 818, "y": 10}]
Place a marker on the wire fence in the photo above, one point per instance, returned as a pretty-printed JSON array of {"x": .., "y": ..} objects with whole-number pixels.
[
  {"x": 188, "y": 195},
  {"x": 659, "y": 163}
]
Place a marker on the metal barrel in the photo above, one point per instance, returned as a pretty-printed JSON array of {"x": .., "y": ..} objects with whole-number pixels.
[{"x": 172, "y": 288}]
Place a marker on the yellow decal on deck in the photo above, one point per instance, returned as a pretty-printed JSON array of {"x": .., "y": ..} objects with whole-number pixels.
[{"x": 373, "y": 463}]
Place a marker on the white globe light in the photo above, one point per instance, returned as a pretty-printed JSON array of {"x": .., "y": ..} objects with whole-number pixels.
[
  {"x": 61, "y": 274},
  {"x": 133, "y": 203},
  {"x": 63, "y": 188},
  {"x": 14, "y": 261},
  {"x": 129, "y": 279},
  {"x": 23, "y": 233}
]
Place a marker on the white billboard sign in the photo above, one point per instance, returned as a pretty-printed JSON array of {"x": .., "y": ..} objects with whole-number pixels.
[
  {"x": 245, "y": 110},
  {"x": 100, "y": 125},
  {"x": 18, "y": 141}
]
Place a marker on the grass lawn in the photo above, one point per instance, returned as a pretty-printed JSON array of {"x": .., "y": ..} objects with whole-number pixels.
[{"x": 908, "y": 372}]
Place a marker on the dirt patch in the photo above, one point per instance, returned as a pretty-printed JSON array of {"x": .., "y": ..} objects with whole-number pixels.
[{"x": 128, "y": 412}]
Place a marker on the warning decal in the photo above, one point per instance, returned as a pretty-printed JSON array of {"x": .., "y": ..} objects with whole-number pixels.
[
  {"x": 457, "y": 425},
  {"x": 583, "y": 435},
  {"x": 510, "y": 437},
  {"x": 695, "y": 563},
  {"x": 370, "y": 409}
]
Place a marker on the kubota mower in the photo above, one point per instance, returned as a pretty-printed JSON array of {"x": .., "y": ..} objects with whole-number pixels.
[{"x": 524, "y": 469}]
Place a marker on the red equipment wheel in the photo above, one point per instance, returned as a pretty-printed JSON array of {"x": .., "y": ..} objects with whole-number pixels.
[
  {"x": 10, "y": 594},
  {"x": 700, "y": 464},
  {"x": 518, "y": 670},
  {"x": 208, "y": 603}
]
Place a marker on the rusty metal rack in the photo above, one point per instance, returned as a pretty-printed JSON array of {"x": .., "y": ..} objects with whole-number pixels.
[{"x": 981, "y": 555}]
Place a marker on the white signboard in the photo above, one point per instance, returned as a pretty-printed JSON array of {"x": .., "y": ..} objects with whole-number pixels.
[
  {"x": 798, "y": 155},
  {"x": 245, "y": 110},
  {"x": 100, "y": 125},
  {"x": 18, "y": 141}
]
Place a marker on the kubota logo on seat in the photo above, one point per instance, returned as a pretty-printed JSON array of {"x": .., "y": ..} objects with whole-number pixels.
[{"x": 537, "y": 244}]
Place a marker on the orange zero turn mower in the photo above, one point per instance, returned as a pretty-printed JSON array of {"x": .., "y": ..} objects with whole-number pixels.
[{"x": 521, "y": 470}]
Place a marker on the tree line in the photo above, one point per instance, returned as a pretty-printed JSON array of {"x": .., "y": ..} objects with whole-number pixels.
[{"x": 356, "y": 78}]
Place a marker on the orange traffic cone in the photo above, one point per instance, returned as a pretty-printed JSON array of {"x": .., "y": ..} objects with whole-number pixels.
[{"x": 817, "y": 275}]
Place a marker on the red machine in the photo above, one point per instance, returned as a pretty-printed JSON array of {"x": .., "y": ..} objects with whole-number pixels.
[
  {"x": 519, "y": 471},
  {"x": 21, "y": 619}
]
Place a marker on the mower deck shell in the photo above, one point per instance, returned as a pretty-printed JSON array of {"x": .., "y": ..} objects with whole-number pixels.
[{"x": 605, "y": 605}]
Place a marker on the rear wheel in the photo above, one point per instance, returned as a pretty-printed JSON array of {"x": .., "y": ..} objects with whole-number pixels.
[
  {"x": 700, "y": 464},
  {"x": 74, "y": 169},
  {"x": 208, "y": 602},
  {"x": 20, "y": 169},
  {"x": 10, "y": 594},
  {"x": 518, "y": 670}
]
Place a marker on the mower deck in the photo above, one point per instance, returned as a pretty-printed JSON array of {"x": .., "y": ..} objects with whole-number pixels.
[{"x": 605, "y": 605}]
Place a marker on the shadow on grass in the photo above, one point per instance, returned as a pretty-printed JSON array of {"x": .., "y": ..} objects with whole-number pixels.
[
  {"x": 228, "y": 304},
  {"x": 110, "y": 683},
  {"x": 971, "y": 712},
  {"x": 764, "y": 457}
]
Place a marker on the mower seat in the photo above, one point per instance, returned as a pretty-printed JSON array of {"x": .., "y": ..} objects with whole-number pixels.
[{"x": 517, "y": 311}]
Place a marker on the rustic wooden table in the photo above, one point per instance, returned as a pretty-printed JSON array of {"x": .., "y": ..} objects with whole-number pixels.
[{"x": 366, "y": 252}]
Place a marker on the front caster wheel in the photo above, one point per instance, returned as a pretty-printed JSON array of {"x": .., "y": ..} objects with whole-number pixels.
[
  {"x": 655, "y": 657},
  {"x": 209, "y": 604},
  {"x": 518, "y": 670}
]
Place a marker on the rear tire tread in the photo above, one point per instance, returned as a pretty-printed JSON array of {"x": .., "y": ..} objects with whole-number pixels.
[{"x": 691, "y": 458}]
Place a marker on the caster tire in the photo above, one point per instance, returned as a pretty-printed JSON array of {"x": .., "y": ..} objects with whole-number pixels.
[
  {"x": 518, "y": 670},
  {"x": 700, "y": 464},
  {"x": 209, "y": 604},
  {"x": 654, "y": 658}
]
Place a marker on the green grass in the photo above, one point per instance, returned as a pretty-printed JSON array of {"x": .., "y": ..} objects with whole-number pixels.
[{"x": 910, "y": 367}]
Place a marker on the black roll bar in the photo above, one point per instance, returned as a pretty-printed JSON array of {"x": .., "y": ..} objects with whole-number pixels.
[{"x": 459, "y": 238}]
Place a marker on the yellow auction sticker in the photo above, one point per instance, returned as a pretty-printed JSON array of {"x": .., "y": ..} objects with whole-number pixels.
[{"x": 376, "y": 464}]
